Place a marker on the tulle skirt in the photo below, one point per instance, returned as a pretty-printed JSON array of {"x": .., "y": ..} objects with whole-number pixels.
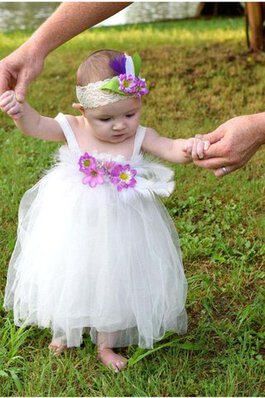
[{"x": 96, "y": 260}]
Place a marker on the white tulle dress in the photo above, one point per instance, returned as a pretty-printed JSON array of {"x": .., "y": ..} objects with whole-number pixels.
[{"x": 91, "y": 260}]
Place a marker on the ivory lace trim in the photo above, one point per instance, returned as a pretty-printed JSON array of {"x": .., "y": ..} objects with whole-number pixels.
[{"x": 91, "y": 96}]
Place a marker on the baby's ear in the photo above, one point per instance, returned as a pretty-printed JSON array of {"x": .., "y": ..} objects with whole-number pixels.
[{"x": 79, "y": 107}]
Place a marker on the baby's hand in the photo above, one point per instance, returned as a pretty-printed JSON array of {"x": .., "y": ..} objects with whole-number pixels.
[
  {"x": 10, "y": 105},
  {"x": 196, "y": 147}
]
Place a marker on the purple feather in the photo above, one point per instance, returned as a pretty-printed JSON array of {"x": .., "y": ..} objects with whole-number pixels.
[{"x": 118, "y": 64}]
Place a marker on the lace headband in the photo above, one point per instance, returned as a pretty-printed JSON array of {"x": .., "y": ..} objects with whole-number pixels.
[
  {"x": 127, "y": 83},
  {"x": 92, "y": 96}
]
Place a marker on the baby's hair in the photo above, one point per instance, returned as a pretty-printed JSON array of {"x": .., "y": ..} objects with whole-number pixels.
[{"x": 96, "y": 67}]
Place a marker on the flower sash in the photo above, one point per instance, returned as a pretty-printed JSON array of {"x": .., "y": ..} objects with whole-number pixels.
[{"x": 99, "y": 172}]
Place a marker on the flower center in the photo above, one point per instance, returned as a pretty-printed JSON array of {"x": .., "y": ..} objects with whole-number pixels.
[
  {"x": 123, "y": 176},
  {"x": 94, "y": 173},
  {"x": 86, "y": 162},
  {"x": 126, "y": 83}
]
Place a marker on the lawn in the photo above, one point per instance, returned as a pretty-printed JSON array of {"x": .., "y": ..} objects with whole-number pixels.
[{"x": 199, "y": 75}]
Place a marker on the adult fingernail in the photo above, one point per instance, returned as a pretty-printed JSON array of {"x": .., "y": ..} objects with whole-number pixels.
[{"x": 19, "y": 97}]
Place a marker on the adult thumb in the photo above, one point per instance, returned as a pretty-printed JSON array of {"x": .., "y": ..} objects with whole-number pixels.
[
  {"x": 214, "y": 136},
  {"x": 4, "y": 86},
  {"x": 21, "y": 87}
]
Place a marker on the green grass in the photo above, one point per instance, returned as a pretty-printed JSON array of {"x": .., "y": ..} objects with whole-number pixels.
[{"x": 199, "y": 75}]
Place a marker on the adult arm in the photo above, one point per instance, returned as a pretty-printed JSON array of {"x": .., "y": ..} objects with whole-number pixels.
[
  {"x": 24, "y": 64},
  {"x": 233, "y": 143}
]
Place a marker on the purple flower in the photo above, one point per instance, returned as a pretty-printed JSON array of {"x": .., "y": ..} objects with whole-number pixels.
[
  {"x": 132, "y": 85},
  {"x": 108, "y": 166},
  {"x": 86, "y": 162},
  {"x": 96, "y": 172},
  {"x": 142, "y": 89},
  {"x": 123, "y": 176},
  {"x": 94, "y": 176},
  {"x": 127, "y": 83}
]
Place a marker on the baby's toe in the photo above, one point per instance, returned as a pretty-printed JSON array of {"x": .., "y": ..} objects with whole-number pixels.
[
  {"x": 121, "y": 364},
  {"x": 113, "y": 366}
]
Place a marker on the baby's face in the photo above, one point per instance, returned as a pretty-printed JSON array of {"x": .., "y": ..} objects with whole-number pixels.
[{"x": 115, "y": 122}]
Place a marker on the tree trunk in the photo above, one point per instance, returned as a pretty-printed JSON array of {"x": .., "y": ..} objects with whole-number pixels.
[
  {"x": 214, "y": 9},
  {"x": 255, "y": 15}
]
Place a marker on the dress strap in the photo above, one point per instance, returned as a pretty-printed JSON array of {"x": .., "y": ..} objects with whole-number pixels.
[
  {"x": 68, "y": 132},
  {"x": 139, "y": 137}
]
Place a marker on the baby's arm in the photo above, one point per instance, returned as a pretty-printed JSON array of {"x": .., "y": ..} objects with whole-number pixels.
[
  {"x": 30, "y": 121},
  {"x": 176, "y": 151}
]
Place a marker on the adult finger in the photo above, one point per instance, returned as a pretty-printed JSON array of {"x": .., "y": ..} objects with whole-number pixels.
[
  {"x": 22, "y": 86},
  {"x": 223, "y": 171},
  {"x": 217, "y": 150},
  {"x": 213, "y": 163},
  {"x": 214, "y": 136},
  {"x": 4, "y": 79}
]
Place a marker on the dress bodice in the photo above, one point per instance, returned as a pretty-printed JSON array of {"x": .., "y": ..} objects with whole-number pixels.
[
  {"x": 74, "y": 147},
  {"x": 151, "y": 177}
]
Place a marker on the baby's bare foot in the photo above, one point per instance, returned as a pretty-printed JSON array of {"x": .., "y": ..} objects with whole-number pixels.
[
  {"x": 110, "y": 359},
  {"x": 57, "y": 348}
]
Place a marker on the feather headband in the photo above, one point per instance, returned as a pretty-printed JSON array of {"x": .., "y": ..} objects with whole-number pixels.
[{"x": 127, "y": 83}]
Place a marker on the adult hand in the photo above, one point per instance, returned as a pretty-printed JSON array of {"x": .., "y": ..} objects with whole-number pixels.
[
  {"x": 233, "y": 144},
  {"x": 71, "y": 18},
  {"x": 18, "y": 70}
]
